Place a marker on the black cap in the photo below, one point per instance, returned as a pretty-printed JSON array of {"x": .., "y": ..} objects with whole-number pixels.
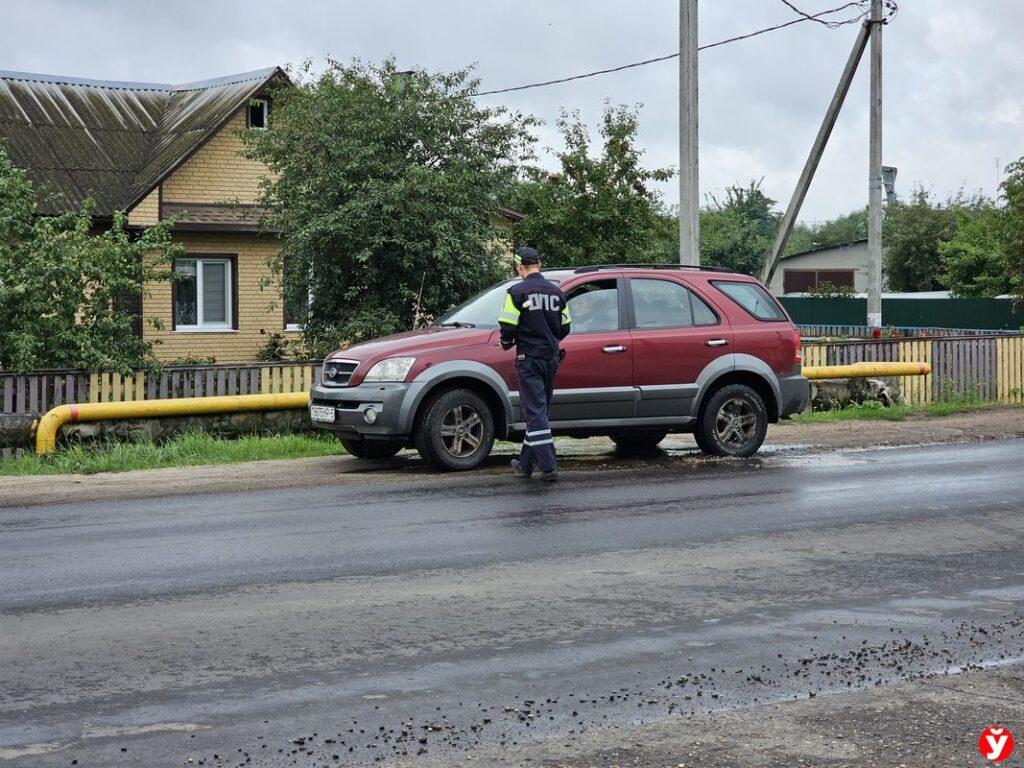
[{"x": 526, "y": 255}]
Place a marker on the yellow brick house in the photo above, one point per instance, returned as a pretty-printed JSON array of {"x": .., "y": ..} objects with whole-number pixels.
[{"x": 159, "y": 151}]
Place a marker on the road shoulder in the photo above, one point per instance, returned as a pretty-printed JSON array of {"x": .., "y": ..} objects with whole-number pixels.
[
  {"x": 919, "y": 724},
  {"x": 579, "y": 455}
]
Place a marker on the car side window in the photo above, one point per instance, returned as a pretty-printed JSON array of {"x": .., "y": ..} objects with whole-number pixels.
[
  {"x": 702, "y": 313},
  {"x": 667, "y": 304},
  {"x": 594, "y": 306},
  {"x": 753, "y": 298}
]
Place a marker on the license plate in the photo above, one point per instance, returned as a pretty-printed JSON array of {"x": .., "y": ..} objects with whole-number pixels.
[{"x": 321, "y": 413}]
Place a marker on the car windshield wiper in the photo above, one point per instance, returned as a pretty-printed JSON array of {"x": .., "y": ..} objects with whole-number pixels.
[{"x": 458, "y": 324}]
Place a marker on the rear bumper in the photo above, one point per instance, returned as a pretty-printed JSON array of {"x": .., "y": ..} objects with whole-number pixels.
[
  {"x": 350, "y": 405},
  {"x": 794, "y": 395}
]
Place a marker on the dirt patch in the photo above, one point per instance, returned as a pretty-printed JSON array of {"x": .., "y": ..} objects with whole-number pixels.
[
  {"x": 921, "y": 724},
  {"x": 1001, "y": 423}
]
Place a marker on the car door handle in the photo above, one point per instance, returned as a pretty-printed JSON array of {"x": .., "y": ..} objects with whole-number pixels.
[
  {"x": 613, "y": 349},
  {"x": 716, "y": 342}
]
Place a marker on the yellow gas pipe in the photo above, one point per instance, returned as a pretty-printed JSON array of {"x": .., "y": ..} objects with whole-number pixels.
[
  {"x": 863, "y": 370},
  {"x": 55, "y": 418}
]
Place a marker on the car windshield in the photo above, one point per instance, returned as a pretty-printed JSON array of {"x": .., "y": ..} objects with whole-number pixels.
[{"x": 481, "y": 311}]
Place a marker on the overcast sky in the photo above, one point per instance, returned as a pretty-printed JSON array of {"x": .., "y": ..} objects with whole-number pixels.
[{"x": 954, "y": 71}]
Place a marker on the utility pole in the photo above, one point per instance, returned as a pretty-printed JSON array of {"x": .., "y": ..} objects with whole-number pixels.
[
  {"x": 771, "y": 261},
  {"x": 875, "y": 183},
  {"x": 689, "y": 178}
]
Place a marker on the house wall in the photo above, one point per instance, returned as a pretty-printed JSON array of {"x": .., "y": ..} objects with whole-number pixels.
[
  {"x": 217, "y": 172},
  {"x": 147, "y": 212},
  {"x": 853, "y": 257},
  {"x": 260, "y": 312}
]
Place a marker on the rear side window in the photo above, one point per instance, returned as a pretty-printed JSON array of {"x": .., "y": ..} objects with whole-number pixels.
[
  {"x": 667, "y": 304},
  {"x": 753, "y": 298}
]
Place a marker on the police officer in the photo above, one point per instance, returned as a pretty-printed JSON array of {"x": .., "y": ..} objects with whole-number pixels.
[{"x": 534, "y": 319}]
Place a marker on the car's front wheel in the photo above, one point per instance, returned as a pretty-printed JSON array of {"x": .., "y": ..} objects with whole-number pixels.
[
  {"x": 456, "y": 431},
  {"x": 370, "y": 449},
  {"x": 734, "y": 422}
]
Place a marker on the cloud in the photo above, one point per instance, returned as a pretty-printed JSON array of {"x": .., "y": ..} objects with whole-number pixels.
[{"x": 954, "y": 72}]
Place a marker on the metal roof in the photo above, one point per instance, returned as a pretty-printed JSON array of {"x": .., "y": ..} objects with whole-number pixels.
[
  {"x": 113, "y": 141},
  {"x": 828, "y": 247}
]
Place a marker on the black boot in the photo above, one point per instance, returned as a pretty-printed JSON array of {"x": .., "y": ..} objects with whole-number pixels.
[
  {"x": 520, "y": 472},
  {"x": 549, "y": 477}
]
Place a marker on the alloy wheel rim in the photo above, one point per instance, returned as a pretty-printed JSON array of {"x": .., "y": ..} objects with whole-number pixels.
[
  {"x": 462, "y": 430},
  {"x": 736, "y": 422}
]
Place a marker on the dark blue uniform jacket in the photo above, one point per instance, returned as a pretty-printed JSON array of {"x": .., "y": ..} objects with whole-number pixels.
[{"x": 535, "y": 317}]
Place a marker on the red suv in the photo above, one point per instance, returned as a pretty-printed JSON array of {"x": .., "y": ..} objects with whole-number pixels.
[{"x": 653, "y": 350}]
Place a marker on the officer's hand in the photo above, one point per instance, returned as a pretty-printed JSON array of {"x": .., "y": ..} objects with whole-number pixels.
[
  {"x": 561, "y": 355},
  {"x": 506, "y": 345}
]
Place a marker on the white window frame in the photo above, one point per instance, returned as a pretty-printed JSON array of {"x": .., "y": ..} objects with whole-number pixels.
[
  {"x": 265, "y": 103},
  {"x": 201, "y": 325}
]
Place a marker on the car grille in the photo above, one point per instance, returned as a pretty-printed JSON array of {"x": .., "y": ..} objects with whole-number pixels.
[{"x": 342, "y": 371}]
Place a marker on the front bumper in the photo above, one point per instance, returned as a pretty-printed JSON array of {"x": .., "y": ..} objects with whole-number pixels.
[
  {"x": 794, "y": 395},
  {"x": 351, "y": 403}
]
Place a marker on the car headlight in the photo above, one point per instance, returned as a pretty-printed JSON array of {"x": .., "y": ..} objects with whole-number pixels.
[{"x": 392, "y": 369}]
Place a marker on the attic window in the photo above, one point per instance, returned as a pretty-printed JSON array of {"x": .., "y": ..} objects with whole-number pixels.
[{"x": 259, "y": 113}]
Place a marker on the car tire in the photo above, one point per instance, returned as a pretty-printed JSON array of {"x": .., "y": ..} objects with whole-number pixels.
[
  {"x": 639, "y": 440},
  {"x": 733, "y": 422},
  {"x": 370, "y": 449},
  {"x": 702, "y": 444},
  {"x": 438, "y": 436}
]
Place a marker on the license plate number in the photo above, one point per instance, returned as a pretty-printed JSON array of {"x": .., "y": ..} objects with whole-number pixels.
[{"x": 321, "y": 413}]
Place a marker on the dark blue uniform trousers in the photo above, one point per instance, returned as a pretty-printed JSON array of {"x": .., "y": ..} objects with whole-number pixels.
[{"x": 536, "y": 383}]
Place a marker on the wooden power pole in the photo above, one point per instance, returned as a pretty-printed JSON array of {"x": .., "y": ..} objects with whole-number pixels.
[
  {"x": 689, "y": 177},
  {"x": 875, "y": 183}
]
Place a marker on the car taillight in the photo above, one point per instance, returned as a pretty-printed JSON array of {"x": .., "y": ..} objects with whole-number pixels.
[{"x": 797, "y": 354}]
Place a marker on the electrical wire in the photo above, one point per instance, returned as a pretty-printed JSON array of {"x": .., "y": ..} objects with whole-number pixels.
[{"x": 804, "y": 17}]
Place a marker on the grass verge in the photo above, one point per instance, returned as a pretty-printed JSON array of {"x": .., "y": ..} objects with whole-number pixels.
[
  {"x": 878, "y": 412},
  {"x": 184, "y": 451}
]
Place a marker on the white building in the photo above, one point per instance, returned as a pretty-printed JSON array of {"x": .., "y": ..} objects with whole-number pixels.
[{"x": 842, "y": 265}]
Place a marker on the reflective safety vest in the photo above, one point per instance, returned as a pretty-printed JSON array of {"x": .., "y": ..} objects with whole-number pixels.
[{"x": 535, "y": 317}]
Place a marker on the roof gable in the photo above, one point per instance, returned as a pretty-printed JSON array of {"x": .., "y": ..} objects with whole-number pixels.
[{"x": 112, "y": 141}]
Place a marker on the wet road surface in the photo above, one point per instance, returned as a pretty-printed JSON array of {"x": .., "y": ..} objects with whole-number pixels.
[{"x": 425, "y": 620}]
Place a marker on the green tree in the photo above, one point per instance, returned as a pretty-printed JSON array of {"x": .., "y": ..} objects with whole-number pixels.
[
  {"x": 736, "y": 232},
  {"x": 385, "y": 189},
  {"x": 842, "y": 229},
  {"x": 912, "y": 232},
  {"x": 1012, "y": 194},
  {"x": 63, "y": 288},
  {"x": 598, "y": 207},
  {"x": 973, "y": 260}
]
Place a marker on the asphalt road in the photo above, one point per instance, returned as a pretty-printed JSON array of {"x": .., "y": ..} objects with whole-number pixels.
[{"x": 435, "y": 619}]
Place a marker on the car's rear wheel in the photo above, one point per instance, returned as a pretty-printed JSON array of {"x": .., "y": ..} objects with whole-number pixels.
[
  {"x": 456, "y": 431},
  {"x": 370, "y": 449},
  {"x": 734, "y": 422},
  {"x": 638, "y": 441}
]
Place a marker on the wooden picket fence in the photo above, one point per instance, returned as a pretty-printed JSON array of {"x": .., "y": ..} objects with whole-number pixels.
[
  {"x": 987, "y": 367},
  {"x": 37, "y": 391}
]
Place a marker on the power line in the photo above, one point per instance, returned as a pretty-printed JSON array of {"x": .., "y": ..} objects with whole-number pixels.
[{"x": 804, "y": 17}]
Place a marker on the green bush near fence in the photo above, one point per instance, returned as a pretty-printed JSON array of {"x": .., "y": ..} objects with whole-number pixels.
[{"x": 973, "y": 314}]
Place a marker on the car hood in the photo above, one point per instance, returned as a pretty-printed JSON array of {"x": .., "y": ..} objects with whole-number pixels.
[{"x": 412, "y": 343}]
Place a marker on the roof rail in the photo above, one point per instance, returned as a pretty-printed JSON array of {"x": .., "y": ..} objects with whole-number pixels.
[{"x": 599, "y": 267}]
